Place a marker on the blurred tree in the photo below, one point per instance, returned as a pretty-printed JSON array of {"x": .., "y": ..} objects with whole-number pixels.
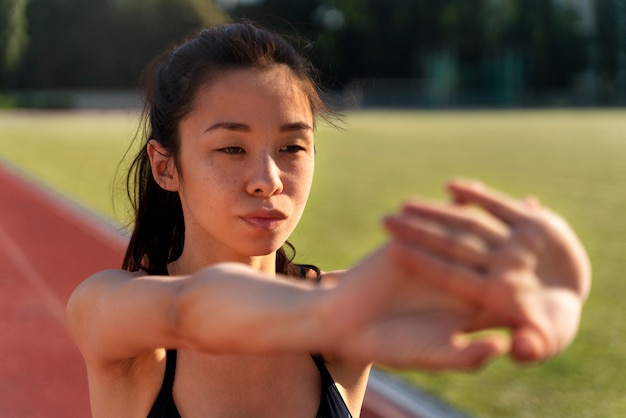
[
  {"x": 352, "y": 38},
  {"x": 482, "y": 45},
  {"x": 103, "y": 43},
  {"x": 13, "y": 37},
  {"x": 399, "y": 38},
  {"x": 553, "y": 41},
  {"x": 606, "y": 39}
]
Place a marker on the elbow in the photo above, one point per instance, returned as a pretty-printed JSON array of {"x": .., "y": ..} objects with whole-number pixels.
[
  {"x": 179, "y": 311},
  {"x": 192, "y": 310}
]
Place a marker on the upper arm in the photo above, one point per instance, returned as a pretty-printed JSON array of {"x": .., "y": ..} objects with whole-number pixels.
[{"x": 116, "y": 315}]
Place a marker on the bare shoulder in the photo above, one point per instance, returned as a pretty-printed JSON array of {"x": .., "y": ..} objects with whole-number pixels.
[
  {"x": 350, "y": 376},
  {"x": 98, "y": 317},
  {"x": 85, "y": 297},
  {"x": 99, "y": 282},
  {"x": 331, "y": 278},
  {"x": 351, "y": 380},
  {"x": 117, "y": 315}
]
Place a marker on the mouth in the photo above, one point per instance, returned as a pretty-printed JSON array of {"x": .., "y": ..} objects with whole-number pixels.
[{"x": 264, "y": 220}]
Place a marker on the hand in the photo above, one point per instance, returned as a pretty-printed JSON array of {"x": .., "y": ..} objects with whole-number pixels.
[
  {"x": 385, "y": 315},
  {"x": 521, "y": 264}
]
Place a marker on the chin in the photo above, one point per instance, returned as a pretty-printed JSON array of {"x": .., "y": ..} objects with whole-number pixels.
[{"x": 262, "y": 249}]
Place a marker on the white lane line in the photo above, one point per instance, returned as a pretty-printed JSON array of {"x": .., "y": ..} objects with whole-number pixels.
[
  {"x": 416, "y": 402},
  {"x": 101, "y": 229},
  {"x": 37, "y": 282}
]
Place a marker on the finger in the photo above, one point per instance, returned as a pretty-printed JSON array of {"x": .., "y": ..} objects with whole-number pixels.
[
  {"x": 468, "y": 355},
  {"x": 500, "y": 205},
  {"x": 470, "y": 221},
  {"x": 420, "y": 344},
  {"x": 433, "y": 238},
  {"x": 532, "y": 202},
  {"x": 528, "y": 346},
  {"x": 457, "y": 279}
]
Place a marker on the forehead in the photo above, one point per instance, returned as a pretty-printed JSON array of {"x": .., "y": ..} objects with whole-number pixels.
[{"x": 272, "y": 92}]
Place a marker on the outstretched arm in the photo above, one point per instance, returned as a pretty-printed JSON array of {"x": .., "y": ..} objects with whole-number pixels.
[
  {"x": 449, "y": 271},
  {"x": 391, "y": 316},
  {"x": 376, "y": 312},
  {"x": 521, "y": 263}
]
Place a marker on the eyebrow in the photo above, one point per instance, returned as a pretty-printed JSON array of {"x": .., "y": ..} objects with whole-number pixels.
[
  {"x": 242, "y": 127},
  {"x": 296, "y": 126}
]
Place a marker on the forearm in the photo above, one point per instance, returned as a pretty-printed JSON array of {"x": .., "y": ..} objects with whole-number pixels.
[{"x": 229, "y": 308}]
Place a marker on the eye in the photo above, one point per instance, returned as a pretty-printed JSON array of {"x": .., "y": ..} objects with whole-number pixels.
[
  {"x": 232, "y": 150},
  {"x": 292, "y": 149}
]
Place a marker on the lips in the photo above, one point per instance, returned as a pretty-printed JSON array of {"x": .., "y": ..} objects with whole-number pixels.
[{"x": 266, "y": 220}]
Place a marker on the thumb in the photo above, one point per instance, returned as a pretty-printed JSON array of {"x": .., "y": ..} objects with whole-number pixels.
[
  {"x": 472, "y": 353},
  {"x": 528, "y": 346}
]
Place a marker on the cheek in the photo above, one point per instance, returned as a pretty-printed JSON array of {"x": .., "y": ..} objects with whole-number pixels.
[
  {"x": 205, "y": 187},
  {"x": 302, "y": 182},
  {"x": 309, "y": 181},
  {"x": 206, "y": 175}
]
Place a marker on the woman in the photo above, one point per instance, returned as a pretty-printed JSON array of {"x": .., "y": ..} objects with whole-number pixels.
[{"x": 210, "y": 317}]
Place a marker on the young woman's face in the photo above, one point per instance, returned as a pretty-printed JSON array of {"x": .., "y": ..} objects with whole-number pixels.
[{"x": 246, "y": 163}]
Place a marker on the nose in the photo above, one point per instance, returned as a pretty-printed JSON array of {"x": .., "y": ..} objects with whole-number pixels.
[{"x": 265, "y": 179}]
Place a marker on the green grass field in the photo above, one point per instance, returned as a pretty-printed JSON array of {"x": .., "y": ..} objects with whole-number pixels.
[{"x": 573, "y": 160}]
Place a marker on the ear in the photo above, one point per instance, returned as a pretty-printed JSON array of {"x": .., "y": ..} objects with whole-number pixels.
[{"x": 163, "y": 168}]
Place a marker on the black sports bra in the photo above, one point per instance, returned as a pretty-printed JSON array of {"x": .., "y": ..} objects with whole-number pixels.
[{"x": 332, "y": 404}]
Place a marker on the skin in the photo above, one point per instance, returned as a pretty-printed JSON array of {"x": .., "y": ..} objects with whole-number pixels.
[
  {"x": 246, "y": 171},
  {"x": 244, "y": 335},
  {"x": 511, "y": 245}
]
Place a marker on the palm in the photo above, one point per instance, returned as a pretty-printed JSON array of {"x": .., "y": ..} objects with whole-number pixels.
[
  {"x": 530, "y": 282},
  {"x": 522, "y": 265},
  {"x": 407, "y": 323}
]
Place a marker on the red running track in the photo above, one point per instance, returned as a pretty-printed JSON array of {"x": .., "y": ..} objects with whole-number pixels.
[
  {"x": 48, "y": 245},
  {"x": 46, "y": 249}
]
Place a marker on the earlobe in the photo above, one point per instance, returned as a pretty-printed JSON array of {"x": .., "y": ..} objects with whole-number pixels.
[{"x": 162, "y": 165}]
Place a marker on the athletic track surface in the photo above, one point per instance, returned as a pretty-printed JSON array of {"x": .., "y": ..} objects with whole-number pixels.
[{"x": 47, "y": 246}]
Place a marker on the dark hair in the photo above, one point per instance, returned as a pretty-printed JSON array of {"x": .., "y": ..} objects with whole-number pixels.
[{"x": 170, "y": 84}]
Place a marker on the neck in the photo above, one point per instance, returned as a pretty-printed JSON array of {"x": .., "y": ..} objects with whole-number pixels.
[{"x": 189, "y": 263}]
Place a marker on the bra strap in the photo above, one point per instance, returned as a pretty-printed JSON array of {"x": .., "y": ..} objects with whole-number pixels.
[{"x": 321, "y": 366}]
